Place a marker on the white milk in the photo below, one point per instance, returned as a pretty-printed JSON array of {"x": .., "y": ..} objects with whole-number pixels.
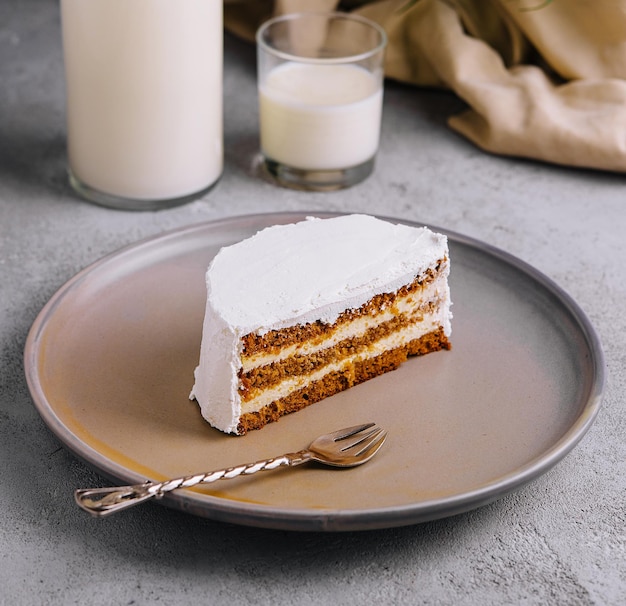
[
  {"x": 144, "y": 95},
  {"x": 319, "y": 117}
]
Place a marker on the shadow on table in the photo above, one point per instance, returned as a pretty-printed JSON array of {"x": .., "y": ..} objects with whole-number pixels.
[{"x": 34, "y": 161}]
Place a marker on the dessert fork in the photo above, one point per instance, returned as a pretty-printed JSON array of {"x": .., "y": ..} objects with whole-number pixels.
[{"x": 347, "y": 447}]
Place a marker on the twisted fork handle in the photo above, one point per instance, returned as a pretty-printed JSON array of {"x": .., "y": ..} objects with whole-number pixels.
[{"x": 101, "y": 502}]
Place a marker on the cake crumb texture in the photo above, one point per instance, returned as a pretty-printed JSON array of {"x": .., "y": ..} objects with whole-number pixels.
[{"x": 338, "y": 381}]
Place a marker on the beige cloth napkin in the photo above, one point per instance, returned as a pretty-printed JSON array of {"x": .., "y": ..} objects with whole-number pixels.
[{"x": 543, "y": 79}]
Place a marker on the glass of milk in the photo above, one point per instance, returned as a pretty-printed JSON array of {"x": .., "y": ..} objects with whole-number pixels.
[
  {"x": 320, "y": 78},
  {"x": 144, "y": 99}
]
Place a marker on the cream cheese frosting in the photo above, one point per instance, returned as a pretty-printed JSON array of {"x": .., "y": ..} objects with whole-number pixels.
[{"x": 296, "y": 274}]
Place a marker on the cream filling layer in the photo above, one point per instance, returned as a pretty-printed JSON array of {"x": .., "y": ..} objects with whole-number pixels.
[
  {"x": 435, "y": 292},
  {"x": 393, "y": 341}
]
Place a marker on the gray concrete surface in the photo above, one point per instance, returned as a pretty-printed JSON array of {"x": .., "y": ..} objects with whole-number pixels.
[{"x": 560, "y": 540}]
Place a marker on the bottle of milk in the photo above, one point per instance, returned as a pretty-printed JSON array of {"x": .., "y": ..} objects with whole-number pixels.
[{"x": 144, "y": 99}]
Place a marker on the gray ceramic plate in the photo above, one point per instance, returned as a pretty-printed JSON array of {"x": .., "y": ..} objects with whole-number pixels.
[{"x": 110, "y": 360}]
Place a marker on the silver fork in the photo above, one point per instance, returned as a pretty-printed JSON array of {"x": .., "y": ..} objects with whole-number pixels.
[{"x": 344, "y": 448}]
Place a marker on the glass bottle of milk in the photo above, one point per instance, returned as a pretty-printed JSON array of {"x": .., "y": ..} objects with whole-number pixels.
[{"x": 144, "y": 99}]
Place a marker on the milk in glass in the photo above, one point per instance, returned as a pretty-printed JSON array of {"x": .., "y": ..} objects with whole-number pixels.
[{"x": 320, "y": 117}]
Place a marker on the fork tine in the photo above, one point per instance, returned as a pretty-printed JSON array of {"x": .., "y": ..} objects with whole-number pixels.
[
  {"x": 373, "y": 446},
  {"x": 348, "y": 432},
  {"x": 366, "y": 441}
]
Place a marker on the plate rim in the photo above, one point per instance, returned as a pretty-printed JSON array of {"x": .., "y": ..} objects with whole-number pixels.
[{"x": 304, "y": 519}]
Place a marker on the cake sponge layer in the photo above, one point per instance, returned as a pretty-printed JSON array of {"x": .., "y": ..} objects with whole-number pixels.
[
  {"x": 395, "y": 319},
  {"x": 339, "y": 380}
]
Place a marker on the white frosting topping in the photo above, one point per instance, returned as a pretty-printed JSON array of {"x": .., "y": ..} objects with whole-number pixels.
[
  {"x": 298, "y": 273},
  {"x": 307, "y": 270}
]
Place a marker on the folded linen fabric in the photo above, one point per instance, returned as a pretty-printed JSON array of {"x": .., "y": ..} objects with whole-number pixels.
[{"x": 543, "y": 79}]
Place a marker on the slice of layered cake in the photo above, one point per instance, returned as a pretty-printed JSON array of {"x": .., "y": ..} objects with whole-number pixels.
[{"x": 300, "y": 312}]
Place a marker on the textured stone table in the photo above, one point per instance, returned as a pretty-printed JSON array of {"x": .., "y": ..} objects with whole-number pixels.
[{"x": 560, "y": 539}]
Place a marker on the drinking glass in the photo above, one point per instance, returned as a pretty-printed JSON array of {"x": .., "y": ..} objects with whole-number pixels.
[{"x": 320, "y": 79}]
